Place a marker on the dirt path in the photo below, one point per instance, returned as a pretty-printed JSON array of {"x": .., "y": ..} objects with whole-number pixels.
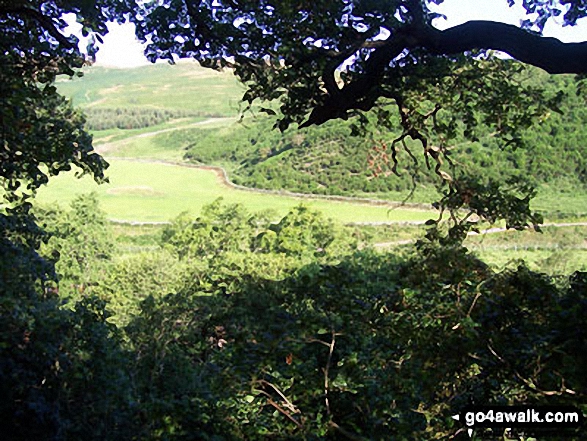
[
  {"x": 223, "y": 178},
  {"x": 109, "y": 146},
  {"x": 484, "y": 232}
]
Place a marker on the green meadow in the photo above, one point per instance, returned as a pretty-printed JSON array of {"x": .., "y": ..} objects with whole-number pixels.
[
  {"x": 184, "y": 86},
  {"x": 156, "y": 192}
]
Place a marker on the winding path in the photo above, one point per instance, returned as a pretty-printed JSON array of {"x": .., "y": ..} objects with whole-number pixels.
[
  {"x": 225, "y": 180},
  {"x": 488, "y": 231},
  {"x": 108, "y": 146}
]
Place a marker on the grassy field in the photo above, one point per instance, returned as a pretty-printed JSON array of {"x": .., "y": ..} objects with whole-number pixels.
[
  {"x": 556, "y": 250},
  {"x": 185, "y": 86},
  {"x": 154, "y": 192},
  {"x": 569, "y": 205}
]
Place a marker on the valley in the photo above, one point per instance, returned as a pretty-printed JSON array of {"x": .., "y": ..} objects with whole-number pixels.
[{"x": 196, "y": 149}]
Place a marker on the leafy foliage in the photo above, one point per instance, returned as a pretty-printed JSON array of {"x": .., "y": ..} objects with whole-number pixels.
[
  {"x": 62, "y": 372},
  {"x": 80, "y": 242},
  {"x": 489, "y": 202},
  {"x": 280, "y": 330},
  {"x": 193, "y": 358},
  {"x": 261, "y": 335},
  {"x": 290, "y": 54},
  {"x": 218, "y": 230},
  {"x": 47, "y": 355},
  {"x": 41, "y": 134},
  {"x": 328, "y": 160},
  {"x": 358, "y": 350},
  {"x": 231, "y": 229}
]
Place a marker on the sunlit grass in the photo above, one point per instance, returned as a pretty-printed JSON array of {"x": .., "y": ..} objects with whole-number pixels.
[
  {"x": 158, "y": 192},
  {"x": 185, "y": 86}
]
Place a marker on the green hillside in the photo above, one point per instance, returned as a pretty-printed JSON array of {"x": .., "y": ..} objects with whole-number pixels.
[
  {"x": 327, "y": 159},
  {"x": 170, "y": 104},
  {"x": 184, "y": 86},
  {"x": 149, "y": 96}
]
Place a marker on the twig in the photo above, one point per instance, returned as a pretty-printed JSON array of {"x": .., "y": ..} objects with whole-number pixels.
[
  {"x": 326, "y": 371},
  {"x": 288, "y": 403},
  {"x": 345, "y": 432},
  {"x": 315, "y": 340},
  {"x": 527, "y": 382},
  {"x": 473, "y": 303},
  {"x": 284, "y": 412}
]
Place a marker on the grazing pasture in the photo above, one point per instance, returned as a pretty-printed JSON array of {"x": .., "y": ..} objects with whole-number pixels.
[{"x": 156, "y": 192}]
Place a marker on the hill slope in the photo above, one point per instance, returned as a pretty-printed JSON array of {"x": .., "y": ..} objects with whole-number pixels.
[
  {"x": 184, "y": 86},
  {"x": 324, "y": 159}
]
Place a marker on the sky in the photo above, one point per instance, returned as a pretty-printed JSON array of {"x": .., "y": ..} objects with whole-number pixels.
[{"x": 121, "y": 49}]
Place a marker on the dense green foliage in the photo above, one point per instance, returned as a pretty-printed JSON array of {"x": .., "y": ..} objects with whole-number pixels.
[
  {"x": 240, "y": 328},
  {"x": 328, "y": 160},
  {"x": 78, "y": 242},
  {"x": 237, "y": 328},
  {"x": 124, "y": 118},
  {"x": 54, "y": 363},
  {"x": 42, "y": 135},
  {"x": 290, "y": 53},
  {"x": 220, "y": 229}
]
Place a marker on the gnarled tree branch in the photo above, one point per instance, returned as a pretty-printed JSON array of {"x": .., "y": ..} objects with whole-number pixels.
[
  {"x": 547, "y": 53},
  {"x": 353, "y": 95}
]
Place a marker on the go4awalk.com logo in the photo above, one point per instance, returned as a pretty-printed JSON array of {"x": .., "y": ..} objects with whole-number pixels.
[{"x": 528, "y": 418}]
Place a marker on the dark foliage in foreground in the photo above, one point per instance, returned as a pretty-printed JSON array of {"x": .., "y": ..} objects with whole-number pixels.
[{"x": 282, "y": 343}]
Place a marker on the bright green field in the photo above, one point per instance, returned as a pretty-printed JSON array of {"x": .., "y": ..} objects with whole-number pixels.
[{"x": 151, "y": 192}]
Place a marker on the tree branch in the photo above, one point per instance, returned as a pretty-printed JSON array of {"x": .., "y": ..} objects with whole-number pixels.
[
  {"x": 416, "y": 9},
  {"x": 285, "y": 412},
  {"x": 548, "y": 53},
  {"x": 45, "y": 22},
  {"x": 351, "y": 95},
  {"x": 326, "y": 373}
]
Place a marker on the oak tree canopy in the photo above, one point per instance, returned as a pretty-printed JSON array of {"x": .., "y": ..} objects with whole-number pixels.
[{"x": 326, "y": 59}]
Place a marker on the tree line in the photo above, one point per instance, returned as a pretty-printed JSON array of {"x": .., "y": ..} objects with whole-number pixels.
[
  {"x": 328, "y": 159},
  {"x": 127, "y": 118}
]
